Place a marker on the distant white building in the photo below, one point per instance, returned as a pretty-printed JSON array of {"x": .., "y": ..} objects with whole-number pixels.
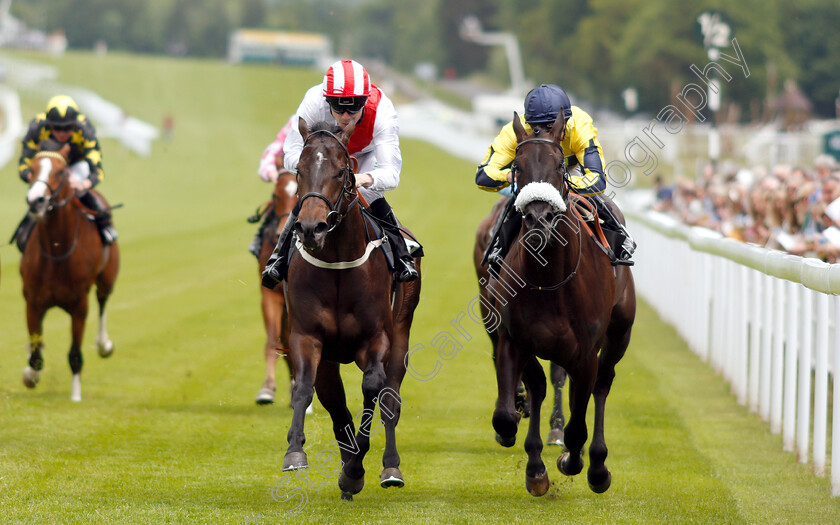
[{"x": 280, "y": 47}]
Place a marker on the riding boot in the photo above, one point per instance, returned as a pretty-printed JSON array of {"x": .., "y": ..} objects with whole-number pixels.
[
  {"x": 278, "y": 264},
  {"x": 102, "y": 218},
  {"x": 256, "y": 244},
  {"x": 619, "y": 239},
  {"x": 507, "y": 231},
  {"x": 23, "y": 231},
  {"x": 404, "y": 267}
]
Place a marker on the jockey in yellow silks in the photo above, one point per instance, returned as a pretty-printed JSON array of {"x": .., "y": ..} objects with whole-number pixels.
[{"x": 584, "y": 159}]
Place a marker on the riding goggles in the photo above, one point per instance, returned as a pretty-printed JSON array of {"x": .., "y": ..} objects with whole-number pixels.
[
  {"x": 351, "y": 105},
  {"x": 62, "y": 127}
]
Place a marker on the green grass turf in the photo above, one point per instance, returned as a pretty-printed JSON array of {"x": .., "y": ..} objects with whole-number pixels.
[{"x": 168, "y": 431}]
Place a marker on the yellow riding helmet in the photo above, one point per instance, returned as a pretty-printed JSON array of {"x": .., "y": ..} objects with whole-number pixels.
[{"x": 62, "y": 111}]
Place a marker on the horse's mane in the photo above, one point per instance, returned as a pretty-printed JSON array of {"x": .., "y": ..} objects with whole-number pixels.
[
  {"x": 326, "y": 126},
  {"x": 51, "y": 145}
]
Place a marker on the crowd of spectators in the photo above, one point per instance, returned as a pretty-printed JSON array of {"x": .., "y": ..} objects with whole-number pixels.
[{"x": 795, "y": 209}]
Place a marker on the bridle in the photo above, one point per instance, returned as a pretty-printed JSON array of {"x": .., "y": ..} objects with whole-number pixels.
[
  {"x": 335, "y": 215},
  {"x": 566, "y": 199},
  {"x": 53, "y": 204},
  {"x": 63, "y": 174}
]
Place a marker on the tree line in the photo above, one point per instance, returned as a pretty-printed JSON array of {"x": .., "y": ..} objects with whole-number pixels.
[{"x": 595, "y": 48}]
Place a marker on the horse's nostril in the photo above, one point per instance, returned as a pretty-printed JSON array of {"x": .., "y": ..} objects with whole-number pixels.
[{"x": 320, "y": 228}]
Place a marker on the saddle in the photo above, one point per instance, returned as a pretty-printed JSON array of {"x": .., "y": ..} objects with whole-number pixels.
[{"x": 591, "y": 223}]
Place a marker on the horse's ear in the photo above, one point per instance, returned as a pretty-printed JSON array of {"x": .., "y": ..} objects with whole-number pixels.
[
  {"x": 65, "y": 150},
  {"x": 347, "y": 132},
  {"x": 518, "y": 128},
  {"x": 558, "y": 129},
  {"x": 303, "y": 128}
]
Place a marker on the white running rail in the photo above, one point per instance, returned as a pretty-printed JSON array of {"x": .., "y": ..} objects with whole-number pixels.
[{"x": 765, "y": 320}]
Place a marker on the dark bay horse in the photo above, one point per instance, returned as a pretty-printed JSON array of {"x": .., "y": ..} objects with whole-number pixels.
[
  {"x": 560, "y": 300},
  {"x": 63, "y": 258},
  {"x": 341, "y": 310},
  {"x": 273, "y": 301},
  {"x": 483, "y": 236}
]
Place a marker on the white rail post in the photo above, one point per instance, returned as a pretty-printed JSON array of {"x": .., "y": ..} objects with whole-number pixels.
[
  {"x": 835, "y": 418},
  {"x": 803, "y": 412},
  {"x": 766, "y": 349},
  {"x": 776, "y": 383},
  {"x": 791, "y": 354},
  {"x": 821, "y": 385},
  {"x": 743, "y": 335},
  {"x": 755, "y": 339}
]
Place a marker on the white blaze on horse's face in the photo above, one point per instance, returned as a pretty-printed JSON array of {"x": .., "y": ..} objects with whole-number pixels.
[
  {"x": 319, "y": 159},
  {"x": 39, "y": 191},
  {"x": 291, "y": 188}
]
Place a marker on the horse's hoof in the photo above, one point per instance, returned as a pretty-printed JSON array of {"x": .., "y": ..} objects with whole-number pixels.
[
  {"x": 391, "y": 477},
  {"x": 537, "y": 485},
  {"x": 555, "y": 437},
  {"x": 31, "y": 377},
  {"x": 565, "y": 466},
  {"x": 350, "y": 485},
  {"x": 265, "y": 396},
  {"x": 506, "y": 442},
  {"x": 600, "y": 488},
  {"x": 105, "y": 349},
  {"x": 295, "y": 461},
  {"x": 345, "y": 496}
]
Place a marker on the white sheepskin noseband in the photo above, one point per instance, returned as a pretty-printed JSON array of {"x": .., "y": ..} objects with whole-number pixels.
[{"x": 540, "y": 191}]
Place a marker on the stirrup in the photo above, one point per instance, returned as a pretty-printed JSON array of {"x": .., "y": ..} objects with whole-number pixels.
[
  {"x": 108, "y": 234},
  {"x": 408, "y": 271}
]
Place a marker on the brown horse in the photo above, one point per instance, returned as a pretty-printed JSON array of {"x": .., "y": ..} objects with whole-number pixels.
[
  {"x": 341, "y": 310},
  {"x": 275, "y": 317},
  {"x": 63, "y": 258},
  {"x": 483, "y": 236},
  {"x": 559, "y": 299}
]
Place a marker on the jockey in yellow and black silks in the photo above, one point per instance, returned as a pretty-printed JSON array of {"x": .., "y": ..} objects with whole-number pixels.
[
  {"x": 584, "y": 159},
  {"x": 63, "y": 123}
]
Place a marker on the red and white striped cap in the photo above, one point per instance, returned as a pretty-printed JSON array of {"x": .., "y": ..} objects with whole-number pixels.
[{"x": 346, "y": 78}]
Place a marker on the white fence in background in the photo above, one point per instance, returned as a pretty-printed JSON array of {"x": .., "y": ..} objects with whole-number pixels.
[{"x": 768, "y": 322}]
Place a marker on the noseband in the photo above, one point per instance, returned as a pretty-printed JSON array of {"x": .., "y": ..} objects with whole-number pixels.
[{"x": 334, "y": 216}]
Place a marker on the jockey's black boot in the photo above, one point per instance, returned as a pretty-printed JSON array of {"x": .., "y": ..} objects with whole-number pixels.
[
  {"x": 621, "y": 243},
  {"x": 102, "y": 218},
  {"x": 256, "y": 244},
  {"x": 507, "y": 231},
  {"x": 23, "y": 231},
  {"x": 404, "y": 267},
  {"x": 278, "y": 264}
]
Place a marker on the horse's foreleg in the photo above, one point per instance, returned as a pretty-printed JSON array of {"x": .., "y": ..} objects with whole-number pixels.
[
  {"x": 271, "y": 319},
  {"x": 580, "y": 390},
  {"x": 536, "y": 477},
  {"x": 558, "y": 420},
  {"x": 34, "y": 321},
  {"x": 508, "y": 371},
  {"x": 306, "y": 353},
  {"x": 598, "y": 475},
  {"x": 79, "y": 314},
  {"x": 351, "y": 480}
]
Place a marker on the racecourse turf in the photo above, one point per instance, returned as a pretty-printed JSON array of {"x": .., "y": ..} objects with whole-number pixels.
[{"x": 168, "y": 431}]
